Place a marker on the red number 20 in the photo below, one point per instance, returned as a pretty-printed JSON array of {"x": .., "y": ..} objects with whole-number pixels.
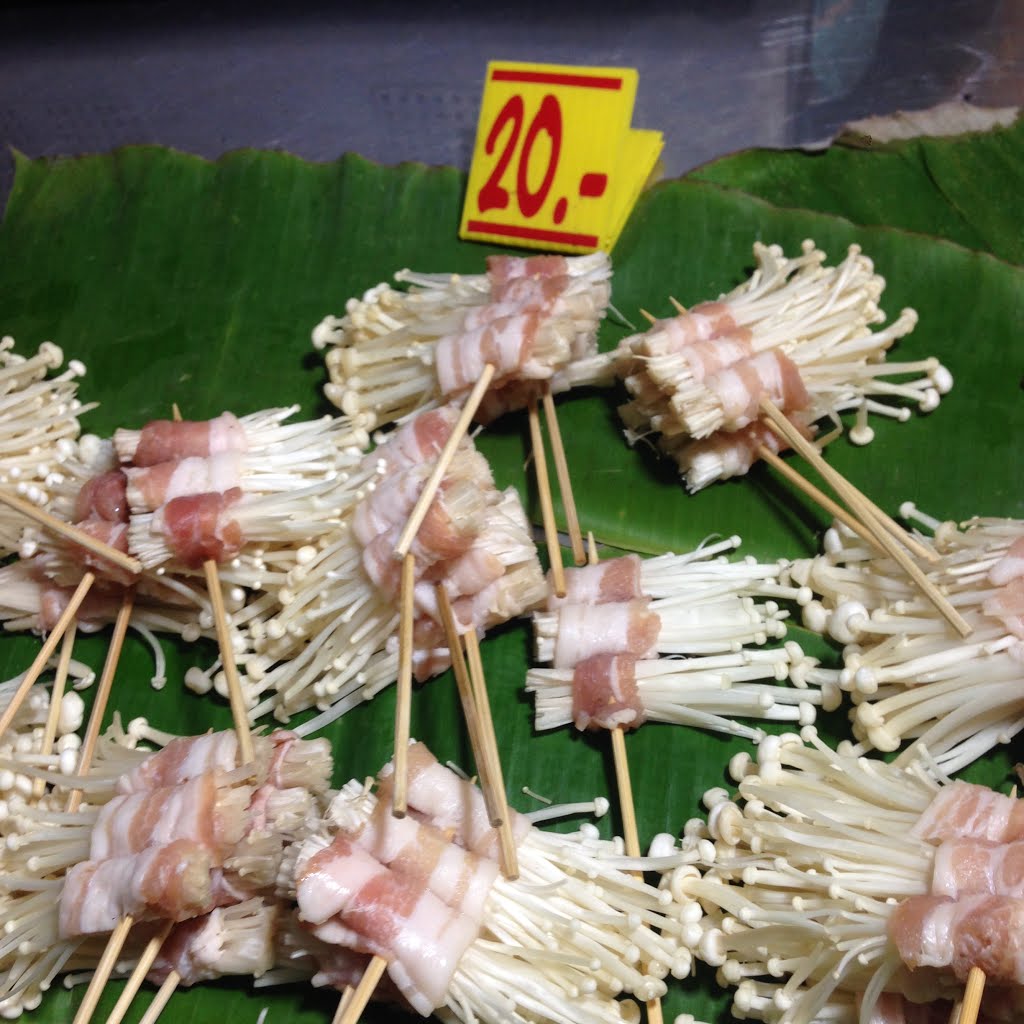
[{"x": 493, "y": 196}]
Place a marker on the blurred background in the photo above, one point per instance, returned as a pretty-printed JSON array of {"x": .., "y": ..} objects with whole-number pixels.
[{"x": 402, "y": 81}]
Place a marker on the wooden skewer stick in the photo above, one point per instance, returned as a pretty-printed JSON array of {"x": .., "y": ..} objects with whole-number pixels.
[
  {"x": 547, "y": 511},
  {"x": 99, "y": 704},
  {"x": 624, "y": 785},
  {"x": 138, "y": 975},
  {"x": 103, "y": 969},
  {"x": 239, "y": 713},
  {"x": 819, "y": 497},
  {"x": 677, "y": 305},
  {"x": 161, "y": 998},
  {"x": 509, "y": 857},
  {"x": 56, "y": 698},
  {"x": 649, "y": 317},
  {"x": 346, "y": 997},
  {"x": 898, "y": 533},
  {"x": 443, "y": 461},
  {"x": 864, "y": 512},
  {"x": 572, "y": 519},
  {"x": 403, "y": 696},
  {"x": 469, "y": 708},
  {"x": 73, "y": 533},
  {"x": 35, "y": 670},
  {"x": 353, "y": 1010},
  {"x": 968, "y": 1009}
]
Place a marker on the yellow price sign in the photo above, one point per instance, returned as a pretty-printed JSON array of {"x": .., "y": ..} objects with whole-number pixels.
[{"x": 556, "y": 164}]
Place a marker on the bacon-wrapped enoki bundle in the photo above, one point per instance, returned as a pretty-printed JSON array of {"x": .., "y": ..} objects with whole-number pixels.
[
  {"x": 534, "y": 319},
  {"x": 38, "y": 429},
  {"x": 424, "y": 892},
  {"x": 796, "y": 332},
  {"x": 604, "y": 636},
  {"x": 332, "y": 642},
  {"x": 834, "y": 878},
  {"x": 162, "y": 836},
  {"x": 909, "y": 674}
]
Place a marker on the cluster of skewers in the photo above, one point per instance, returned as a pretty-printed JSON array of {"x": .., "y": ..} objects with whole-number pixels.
[{"x": 399, "y": 535}]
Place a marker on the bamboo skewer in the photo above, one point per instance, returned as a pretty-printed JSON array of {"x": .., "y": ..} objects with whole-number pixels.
[
  {"x": 443, "y": 461},
  {"x": 349, "y": 1012},
  {"x": 56, "y": 698},
  {"x": 819, "y": 497},
  {"x": 161, "y": 998},
  {"x": 35, "y": 670},
  {"x": 865, "y": 512},
  {"x": 967, "y": 1011},
  {"x": 72, "y": 533},
  {"x": 540, "y": 468},
  {"x": 138, "y": 975},
  {"x": 239, "y": 713},
  {"x": 509, "y": 857},
  {"x": 403, "y": 695},
  {"x": 857, "y": 498},
  {"x": 103, "y": 969},
  {"x": 624, "y": 787},
  {"x": 572, "y": 521},
  {"x": 346, "y": 998}
]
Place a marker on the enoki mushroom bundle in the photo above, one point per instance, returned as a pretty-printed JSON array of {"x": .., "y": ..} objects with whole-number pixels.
[
  {"x": 709, "y": 618},
  {"x": 796, "y": 332},
  {"x": 909, "y": 674},
  {"x": 183, "y": 835},
  {"x": 534, "y": 319},
  {"x": 38, "y": 429},
  {"x": 832, "y": 879}
]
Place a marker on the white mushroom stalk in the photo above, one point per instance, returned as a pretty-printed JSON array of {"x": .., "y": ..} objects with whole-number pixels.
[
  {"x": 707, "y": 692},
  {"x": 395, "y": 352},
  {"x": 801, "y": 876},
  {"x": 38, "y": 428},
  {"x": 797, "y": 332},
  {"x": 910, "y": 676}
]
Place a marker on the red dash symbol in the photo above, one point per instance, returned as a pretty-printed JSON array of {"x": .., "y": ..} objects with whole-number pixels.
[{"x": 592, "y": 186}]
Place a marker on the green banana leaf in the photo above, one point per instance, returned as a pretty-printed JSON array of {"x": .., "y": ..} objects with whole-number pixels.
[
  {"x": 180, "y": 280},
  {"x": 964, "y": 188}
]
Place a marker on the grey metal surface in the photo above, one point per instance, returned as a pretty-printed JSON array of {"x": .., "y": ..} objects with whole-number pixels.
[{"x": 402, "y": 81}]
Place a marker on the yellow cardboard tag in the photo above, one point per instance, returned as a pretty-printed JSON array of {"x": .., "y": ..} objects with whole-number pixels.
[{"x": 556, "y": 164}]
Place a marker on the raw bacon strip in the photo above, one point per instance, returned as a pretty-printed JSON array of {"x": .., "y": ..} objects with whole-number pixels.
[
  {"x": 198, "y": 810},
  {"x": 977, "y": 931},
  {"x": 700, "y": 323},
  {"x": 149, "y": 487},
  {"x": 740, "y": 388},
  {"x": 1010, "y": 567},
  {"x": 726, "y": 453},
  {"x": 963, "y": 810},
  {"x": 169, "y": 440},
  {"x": 422, "y": 854},
  {"x": 112, "y": 533},
  {"x": 605, "y": 693},
  {"x": 627, "y": 627},
  {"x": 283, "y": 760},
  {"x": 502, "y": 269},
  {"x": 197, "y": 529},
  {"x": 612, "y": 581},
  {"x": 103, "y": 497},
  {"x": 1007, "y": 605},
  {"x": 516, "y": 346},
  {"x": 421, "y": 938},
  {"x": 418, "y": 440},
  {"x": 971, "y": 866},
  {"x": 449, "y": 802},
  {"x": 96, "y": 611},
  {"x": 891, "y": 1008},
  {"x": 228, "y": 941},
  {"x": 170, "y": 882}
]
